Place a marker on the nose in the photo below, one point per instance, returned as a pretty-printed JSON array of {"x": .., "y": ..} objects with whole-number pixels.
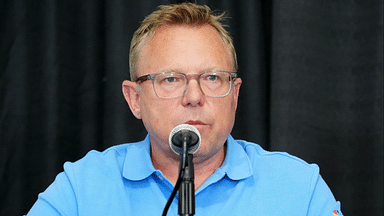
[{"x": 193, "y": 95}]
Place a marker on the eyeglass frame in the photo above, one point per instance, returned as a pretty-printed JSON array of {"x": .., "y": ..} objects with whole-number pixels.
[{"x": 232, "y": 77}]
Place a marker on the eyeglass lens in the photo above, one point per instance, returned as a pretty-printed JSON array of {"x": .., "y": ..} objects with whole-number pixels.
[{"x": 172, "y": 85}]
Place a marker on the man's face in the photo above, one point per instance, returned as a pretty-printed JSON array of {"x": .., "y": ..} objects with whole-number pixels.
[{"x": 188, "y": 50}]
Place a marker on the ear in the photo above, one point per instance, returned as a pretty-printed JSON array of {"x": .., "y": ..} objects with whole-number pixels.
[
  {"x": 131, "y": 95},
  {"x": 237, "y": 84}
]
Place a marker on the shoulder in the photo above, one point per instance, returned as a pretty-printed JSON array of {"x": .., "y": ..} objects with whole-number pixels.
[
  {"x": 96, "y": 158},
  {"x": 282, "y": 173},
  {"x": 96, "y": 163},
  {"x": 284, "y": 178},
  {"x": 275, "y": 164}
]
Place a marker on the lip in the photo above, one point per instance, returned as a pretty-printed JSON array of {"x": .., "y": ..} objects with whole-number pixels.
[{"x": 195, "y": 122}]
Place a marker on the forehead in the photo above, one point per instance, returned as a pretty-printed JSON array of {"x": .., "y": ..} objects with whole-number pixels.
[{"x": 179, "y": 47}]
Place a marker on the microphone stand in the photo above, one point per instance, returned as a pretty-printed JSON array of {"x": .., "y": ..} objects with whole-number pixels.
[{"x": 187, "y": 186}]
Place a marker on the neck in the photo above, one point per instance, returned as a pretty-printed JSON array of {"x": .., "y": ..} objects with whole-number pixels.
[{"x": 204, "y": 167}]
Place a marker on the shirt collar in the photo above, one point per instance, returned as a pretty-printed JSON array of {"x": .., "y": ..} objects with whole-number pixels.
[
  {"x": 138, "y": 163},
  {"x": 237, "y": 164}
]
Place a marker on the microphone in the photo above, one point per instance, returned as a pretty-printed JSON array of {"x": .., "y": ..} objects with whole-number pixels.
[
  {"x": 184, "y": 132},
  {"x": 184, "y": 140}
]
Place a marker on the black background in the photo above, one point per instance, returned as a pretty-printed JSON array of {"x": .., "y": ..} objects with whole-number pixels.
[{"x": 312, "y": 86}]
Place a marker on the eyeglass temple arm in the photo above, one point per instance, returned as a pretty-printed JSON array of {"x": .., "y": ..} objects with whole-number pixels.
[{"x": 143, "y": 78}]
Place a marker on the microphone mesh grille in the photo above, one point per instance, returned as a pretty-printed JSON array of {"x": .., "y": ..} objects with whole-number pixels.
[{"x": 181, "y": 127}]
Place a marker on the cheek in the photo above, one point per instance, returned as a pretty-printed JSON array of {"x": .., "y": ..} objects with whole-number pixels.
[
  {"x": 156, "y": 113},
  {"x": 227, "y": 110},
  {"x": 152, "y": 119},
  {"x": 150, "y": 110},
  {"x": 223, "y": 113},
  {"x": 147, "y": 107}
]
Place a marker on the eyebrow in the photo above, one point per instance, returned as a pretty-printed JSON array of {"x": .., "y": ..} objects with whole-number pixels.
[{"x": 211, "y": 69}]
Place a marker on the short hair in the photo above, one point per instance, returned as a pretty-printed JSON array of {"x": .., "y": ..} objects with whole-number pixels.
[{"x": 177, "y": 14}]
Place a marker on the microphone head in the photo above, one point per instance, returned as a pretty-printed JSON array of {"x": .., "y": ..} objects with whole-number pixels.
[{"x": 177, "y": 134}]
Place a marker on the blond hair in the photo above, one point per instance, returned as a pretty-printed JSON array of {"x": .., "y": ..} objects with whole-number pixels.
[{"x": 177, "y": 14}]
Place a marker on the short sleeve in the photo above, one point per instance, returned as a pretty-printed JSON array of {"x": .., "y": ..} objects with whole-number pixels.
[
  {"x": 58, "y": 199},
  {"x": 323, "y": 202}
]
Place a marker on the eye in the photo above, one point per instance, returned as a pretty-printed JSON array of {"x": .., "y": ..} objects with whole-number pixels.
[
  {"x": 170, "y": 79},
  {"x": 212, "y": 77}
]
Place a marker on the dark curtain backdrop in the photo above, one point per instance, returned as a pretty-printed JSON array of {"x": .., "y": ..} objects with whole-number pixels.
[{"x": 312, "y": 86}]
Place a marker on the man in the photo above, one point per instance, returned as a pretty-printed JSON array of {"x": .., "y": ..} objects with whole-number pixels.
[{"x": 183, "y": 71}]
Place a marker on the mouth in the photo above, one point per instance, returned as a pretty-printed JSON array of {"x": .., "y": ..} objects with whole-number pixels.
[{"x": 195, "y": 122}]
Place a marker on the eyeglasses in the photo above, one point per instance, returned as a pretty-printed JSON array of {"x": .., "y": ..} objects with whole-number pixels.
[{"x": 173, "y": 84}]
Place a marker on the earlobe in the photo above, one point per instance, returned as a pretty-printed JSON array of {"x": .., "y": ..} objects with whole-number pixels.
[{"x": 131, "y": 95}]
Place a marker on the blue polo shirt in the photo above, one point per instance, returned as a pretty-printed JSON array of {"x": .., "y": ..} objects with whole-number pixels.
[{"x": 122, "y": 181}]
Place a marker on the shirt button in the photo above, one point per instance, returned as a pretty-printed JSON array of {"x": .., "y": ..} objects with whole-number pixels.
[{"x": 161, "y": 178}]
